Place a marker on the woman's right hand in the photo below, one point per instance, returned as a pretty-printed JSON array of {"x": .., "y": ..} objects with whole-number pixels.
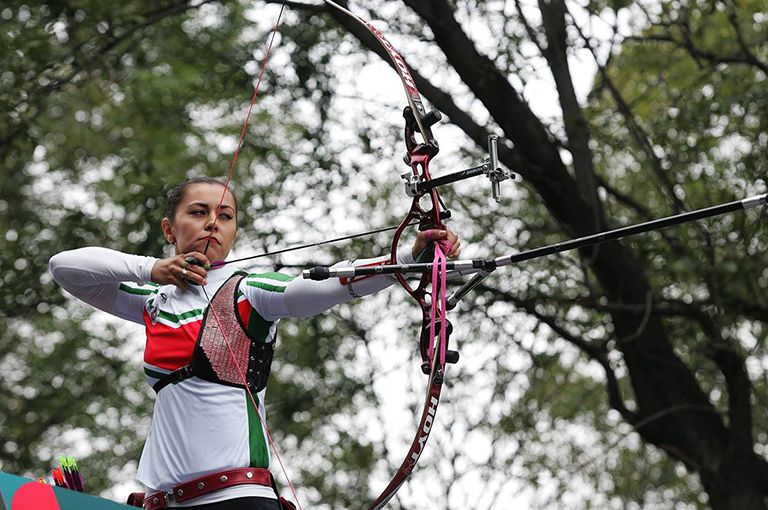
[{"x": 178, "y": 271}]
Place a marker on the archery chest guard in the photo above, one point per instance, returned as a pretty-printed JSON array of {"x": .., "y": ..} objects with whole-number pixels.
[{"x": 223, "y": 361}]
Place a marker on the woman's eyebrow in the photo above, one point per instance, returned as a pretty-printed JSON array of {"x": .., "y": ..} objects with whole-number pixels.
[{"x": 205, "y": 205}]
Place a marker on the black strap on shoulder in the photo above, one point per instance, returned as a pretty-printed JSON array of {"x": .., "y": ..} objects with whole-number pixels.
[{"x": 174, "y": 377}]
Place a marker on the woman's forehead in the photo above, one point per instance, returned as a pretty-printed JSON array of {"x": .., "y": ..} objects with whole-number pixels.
[{"x": 208, "y": 193}]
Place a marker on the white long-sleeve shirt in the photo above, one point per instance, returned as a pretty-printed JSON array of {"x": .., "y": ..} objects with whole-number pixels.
[{"x": 198, "y": 427}]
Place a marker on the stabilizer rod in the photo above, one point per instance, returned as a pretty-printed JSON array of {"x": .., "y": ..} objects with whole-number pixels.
[{"x": 486, "y": 266}]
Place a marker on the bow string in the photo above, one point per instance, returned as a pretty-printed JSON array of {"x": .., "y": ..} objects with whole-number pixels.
[{"x": 230, "y": 177}]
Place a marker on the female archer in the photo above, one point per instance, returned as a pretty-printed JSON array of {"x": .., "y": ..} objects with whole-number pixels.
[{"x": 208, "y": 359}]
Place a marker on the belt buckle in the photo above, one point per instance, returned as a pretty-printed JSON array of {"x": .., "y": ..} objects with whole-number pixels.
[
  {"x": 182, "y": 374},
  {"x": 155, "y": 499}
]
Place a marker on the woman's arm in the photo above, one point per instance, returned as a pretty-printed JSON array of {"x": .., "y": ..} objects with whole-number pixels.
[
  {"x": 100, "y": 276},
  {"x": 275, "y": 295}
]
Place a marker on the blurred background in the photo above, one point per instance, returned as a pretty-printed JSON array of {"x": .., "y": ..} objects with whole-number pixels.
[{"x": 632, "y": 375}]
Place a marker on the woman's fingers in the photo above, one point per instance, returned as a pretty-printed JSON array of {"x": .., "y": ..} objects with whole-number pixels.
[
  {"x": 423, "y": 238},
  {"x": 454, "y": 241},
  {"x": 455, "y": 249},
  {"x": 200, "y": 259},
  {"x": 182, "y": 269},
  {"x": 192, "y": 268}
]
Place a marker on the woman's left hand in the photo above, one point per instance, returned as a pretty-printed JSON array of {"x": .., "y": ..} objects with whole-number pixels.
[{"x": 423, "y": 239}]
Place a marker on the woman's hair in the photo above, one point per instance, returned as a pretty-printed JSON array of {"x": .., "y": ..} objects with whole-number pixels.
[{"x": 174, "y": 196}]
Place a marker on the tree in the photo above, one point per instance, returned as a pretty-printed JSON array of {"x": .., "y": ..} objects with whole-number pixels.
[{"x": 631, "y": 373}]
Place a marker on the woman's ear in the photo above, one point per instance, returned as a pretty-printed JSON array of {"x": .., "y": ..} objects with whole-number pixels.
[{"x": 167, "y": 231}]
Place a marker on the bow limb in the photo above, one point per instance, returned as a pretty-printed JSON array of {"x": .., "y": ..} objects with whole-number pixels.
[
  {"x": 419, "y": 154},
  {"x": 417, "y": 446},
  {"x": 423, "y": 119}
]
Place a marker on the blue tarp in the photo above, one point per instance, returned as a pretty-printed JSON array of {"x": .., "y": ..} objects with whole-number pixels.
[{"x": 65, "y": 498}]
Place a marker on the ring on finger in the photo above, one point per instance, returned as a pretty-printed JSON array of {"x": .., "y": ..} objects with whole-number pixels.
[
  {"x": 184, "y": 271},
  {"x": 185, "y": 264}
]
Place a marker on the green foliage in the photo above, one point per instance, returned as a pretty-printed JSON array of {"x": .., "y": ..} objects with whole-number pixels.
[
  {"x": 111, "y": 103},
  {"x": 101, "y": 96}
]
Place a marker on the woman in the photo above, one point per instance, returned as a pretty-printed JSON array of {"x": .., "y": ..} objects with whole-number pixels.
[{"x": 207, "y": 447}]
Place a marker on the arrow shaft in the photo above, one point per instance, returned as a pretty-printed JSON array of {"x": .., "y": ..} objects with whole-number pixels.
[{"x": 488, "y": 265}]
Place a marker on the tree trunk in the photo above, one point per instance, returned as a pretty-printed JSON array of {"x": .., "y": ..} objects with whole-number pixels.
[{"x": 673, "y": 412}]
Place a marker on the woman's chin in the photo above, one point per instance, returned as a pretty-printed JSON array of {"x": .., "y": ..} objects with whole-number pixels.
[
  {"x": 216, "y": 252},
  {"x": 213, "y": 250}
]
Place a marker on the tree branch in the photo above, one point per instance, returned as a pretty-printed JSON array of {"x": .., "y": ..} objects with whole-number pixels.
[
  {"x": 593, "y": 351},
  {"x": 576, "y": 126}
]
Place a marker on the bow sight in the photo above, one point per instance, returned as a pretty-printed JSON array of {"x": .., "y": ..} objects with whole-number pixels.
[{"x": 415, "y": 187}]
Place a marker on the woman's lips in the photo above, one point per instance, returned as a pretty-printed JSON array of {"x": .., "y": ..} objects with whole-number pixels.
[{"x": 211, "y": 239}]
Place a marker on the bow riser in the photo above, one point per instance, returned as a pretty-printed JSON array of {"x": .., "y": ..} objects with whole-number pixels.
[{"x": 429, "y": 219}]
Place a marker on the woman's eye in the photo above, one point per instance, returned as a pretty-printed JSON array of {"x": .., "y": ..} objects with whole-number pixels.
[
  {"x": 197, "y": 212},
  {"x": 225, "y": 216}
]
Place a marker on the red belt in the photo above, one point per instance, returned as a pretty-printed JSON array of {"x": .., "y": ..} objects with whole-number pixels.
[{"x": 207, "y": 484}]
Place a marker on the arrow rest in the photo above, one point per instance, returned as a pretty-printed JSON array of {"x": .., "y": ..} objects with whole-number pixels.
[{"x": 427, "y": 222}]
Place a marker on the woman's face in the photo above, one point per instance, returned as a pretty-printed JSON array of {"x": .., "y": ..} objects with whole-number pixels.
[{"x": 198, "y": 224}]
